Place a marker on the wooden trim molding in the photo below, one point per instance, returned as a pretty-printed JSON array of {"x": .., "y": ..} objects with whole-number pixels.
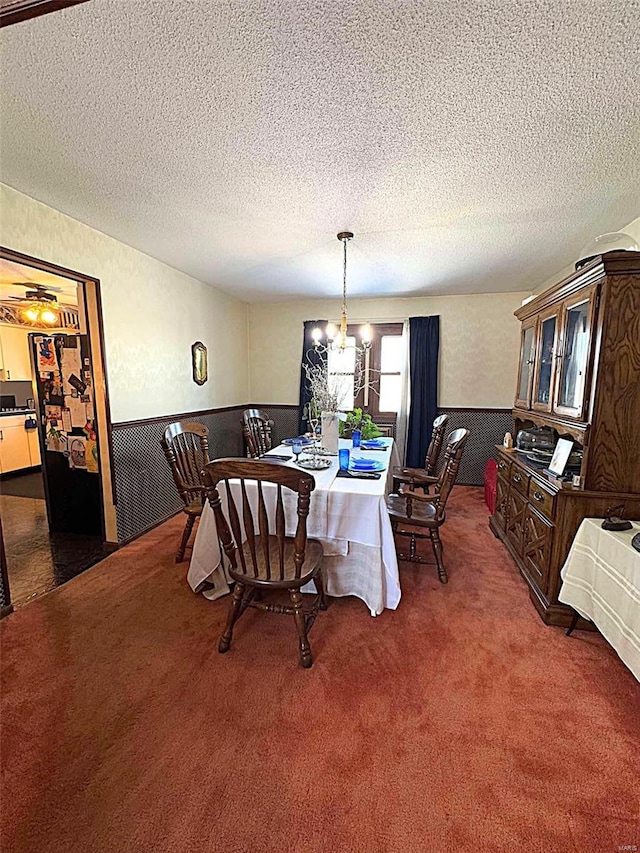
[
  {"x": 93, "y": 303},
  {"x": 15, "y": 11},
  {"x": 181, "y": 416}
]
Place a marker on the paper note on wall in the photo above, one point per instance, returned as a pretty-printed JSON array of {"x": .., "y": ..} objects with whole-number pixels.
[
  {"x": 92, "y": 456},
  {"x": 71, "y": 364},
  {"x": 56, "y": 441},
  {"x": 78, "y": 411},
  {"x": 66, "y": 420},
  {"x": 46, "y": 355},
  {"x": 77, "y": 452}
]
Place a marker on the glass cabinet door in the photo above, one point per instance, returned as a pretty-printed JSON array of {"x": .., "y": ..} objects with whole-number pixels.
[
  {"x": 576, "y": 337},
  {"x": 545, "y": 363},
  {"x": 525, "y": 372}
]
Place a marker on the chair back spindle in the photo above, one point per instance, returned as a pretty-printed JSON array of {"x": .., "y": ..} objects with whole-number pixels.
[
  {"x": 449, "y": 471},
  {"x": 262, "y": 555},
  {"x": 437, "y": 437},
  {"x": 186, "y": 448},
  {"x": 256, "y": 429}
]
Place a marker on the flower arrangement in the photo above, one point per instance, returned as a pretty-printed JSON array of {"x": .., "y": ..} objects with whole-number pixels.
[{"x": 356, "y": 419}]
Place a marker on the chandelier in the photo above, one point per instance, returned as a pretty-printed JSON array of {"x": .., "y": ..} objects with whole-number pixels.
[
  {"x": 336, "y": 339},
  {"x": 42, "y": 311}
]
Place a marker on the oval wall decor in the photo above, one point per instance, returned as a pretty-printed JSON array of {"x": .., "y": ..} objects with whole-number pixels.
[{"x": 199, "y": 362}]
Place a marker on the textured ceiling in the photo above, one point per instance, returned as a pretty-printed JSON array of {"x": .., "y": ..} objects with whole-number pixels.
[{"x": 471, "y": 145}]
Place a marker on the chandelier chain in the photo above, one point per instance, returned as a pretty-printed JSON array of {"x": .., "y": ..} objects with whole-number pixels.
[{"x": 344, "y": 278}]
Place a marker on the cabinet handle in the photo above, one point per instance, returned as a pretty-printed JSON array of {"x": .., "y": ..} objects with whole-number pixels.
[
  {"x": 517, "y": 478},
  {"x": 538, "y": 496},
  {"x": 8, "y": 374},
  {"x": 502, "y": 464},
  {"x": 1, "y": 436}
]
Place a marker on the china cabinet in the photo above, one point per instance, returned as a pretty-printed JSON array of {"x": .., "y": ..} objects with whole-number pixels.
[{"x": 579, "y": 376}]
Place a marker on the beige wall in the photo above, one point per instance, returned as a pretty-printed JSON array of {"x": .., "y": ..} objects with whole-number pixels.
[
  {"x": 479, "y": 344},
  {"x": 632, "y": 229},
  {"x": 152, "y": 315}
]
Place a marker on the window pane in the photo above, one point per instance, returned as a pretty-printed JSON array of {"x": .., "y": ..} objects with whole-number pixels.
[
  {"x": 390, "y": 394},
  {"x": 343, "y": 361},
  {"x": 391, "y": 355},
  {"x": 344, "y": 392}
]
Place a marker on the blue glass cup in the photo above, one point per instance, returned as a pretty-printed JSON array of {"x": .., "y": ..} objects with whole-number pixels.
[
  {"x": 343, "y": 456},
  {"x": 356, "y": 435},
  {"x": 297, "y": 449}
]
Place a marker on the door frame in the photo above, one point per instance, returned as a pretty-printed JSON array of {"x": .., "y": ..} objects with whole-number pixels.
[{"x": 95, "y": 335}]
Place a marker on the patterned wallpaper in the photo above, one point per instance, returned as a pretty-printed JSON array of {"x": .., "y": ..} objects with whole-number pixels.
[
  {"x": 479, "y": 343},
  {"x": 152, "y": 315}
]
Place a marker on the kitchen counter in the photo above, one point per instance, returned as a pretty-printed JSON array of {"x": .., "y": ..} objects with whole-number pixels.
[{"x": 15, "y": 412}]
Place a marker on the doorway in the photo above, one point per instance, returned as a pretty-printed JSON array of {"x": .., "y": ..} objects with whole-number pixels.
[{"x": 56, "y": 506}]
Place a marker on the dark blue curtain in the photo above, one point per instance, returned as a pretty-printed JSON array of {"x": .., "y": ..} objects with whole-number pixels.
[
  {"x": 309, "y": 356},
  {"x": 424, "y": 344}
]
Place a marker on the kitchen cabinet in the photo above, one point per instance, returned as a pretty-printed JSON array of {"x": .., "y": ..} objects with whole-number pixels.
[
  {"x": 19, "y": 448},
  {"x": 16, "y": 360}
]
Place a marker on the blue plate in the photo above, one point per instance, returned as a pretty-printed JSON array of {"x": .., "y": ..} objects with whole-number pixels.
[
  {"x": 367, "y": 465},
  {"x": 373, "y": 442},
  {"x": 299, "y": 440}
]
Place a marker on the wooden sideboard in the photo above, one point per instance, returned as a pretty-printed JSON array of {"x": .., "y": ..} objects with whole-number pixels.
[{"x": 579, "y": 374}]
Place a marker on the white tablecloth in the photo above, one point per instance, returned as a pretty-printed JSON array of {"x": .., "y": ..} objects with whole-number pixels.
[
  {"x": 601, "y": 580},
  {"x": 350, "y": 519}
]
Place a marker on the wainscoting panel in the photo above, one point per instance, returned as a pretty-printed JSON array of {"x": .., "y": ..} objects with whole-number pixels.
[
  {"x": 146, "y": 493},
  {"x": 488, "y": 427}
]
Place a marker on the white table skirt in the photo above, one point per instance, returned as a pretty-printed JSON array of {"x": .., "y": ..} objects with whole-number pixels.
[
  {"x": 601, "y": 580},
  {"x": 348, "y": 516}
]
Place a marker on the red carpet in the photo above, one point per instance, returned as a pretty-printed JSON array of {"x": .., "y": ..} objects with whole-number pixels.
[{"x": 458, "y": 722}]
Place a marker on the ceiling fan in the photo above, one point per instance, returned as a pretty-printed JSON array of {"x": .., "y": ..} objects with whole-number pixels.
[{"x": 39, "y": 303}]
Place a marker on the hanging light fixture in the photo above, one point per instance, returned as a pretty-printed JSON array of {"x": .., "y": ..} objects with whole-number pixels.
[
  {"x": 337, "y": 338},
  {"x": 42, "y": 311}
]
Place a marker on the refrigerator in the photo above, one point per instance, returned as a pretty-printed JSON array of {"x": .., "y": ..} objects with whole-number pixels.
[{"x": 64, "y": 400}]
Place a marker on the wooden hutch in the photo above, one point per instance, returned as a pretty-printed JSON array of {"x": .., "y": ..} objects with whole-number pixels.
[{"x": 579, "y": 374}]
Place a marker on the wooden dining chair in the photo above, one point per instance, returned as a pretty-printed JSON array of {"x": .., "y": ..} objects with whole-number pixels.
[
  {"x": 423, "y": 477},
  {"x": 256, "y": 429},
  {"x": 186, "y": 447},
  {"x": 267, "y": 559},
  {"x": 411, "y": 511}
]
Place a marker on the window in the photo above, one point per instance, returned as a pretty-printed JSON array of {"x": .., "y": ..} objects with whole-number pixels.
[{"x": 382, "y": 365}]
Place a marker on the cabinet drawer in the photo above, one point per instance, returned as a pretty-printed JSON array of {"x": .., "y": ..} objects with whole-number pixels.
[
  {"x": 519, "y": 480},
  {"x": 504, "y": 467},
  {"x": 541, "y": 499}
]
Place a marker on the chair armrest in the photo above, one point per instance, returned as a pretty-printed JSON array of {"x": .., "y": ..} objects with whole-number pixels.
[
  {"x": 420, "y": 479},
  {"x": 418, "y": 496}
]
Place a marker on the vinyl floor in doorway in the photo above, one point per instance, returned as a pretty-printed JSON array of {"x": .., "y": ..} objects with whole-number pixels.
[
  {"x": 38, "y": 561},
  {"x": 25, "y": 486}
]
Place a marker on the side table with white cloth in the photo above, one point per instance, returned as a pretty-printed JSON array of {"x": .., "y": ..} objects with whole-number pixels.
[
  {"x": 349, "y": 517},
  {"x": 601, "y": 581}
]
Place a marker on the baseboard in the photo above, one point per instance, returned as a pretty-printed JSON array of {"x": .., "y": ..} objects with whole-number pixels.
[
  {"x": 142, "y": 532},
  {"x": 8, "y": 475}
]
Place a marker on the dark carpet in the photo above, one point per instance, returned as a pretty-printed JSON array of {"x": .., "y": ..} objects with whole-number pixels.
[
  {"x": 24, "y": 486},
  {"x": 458, "y": 722}
]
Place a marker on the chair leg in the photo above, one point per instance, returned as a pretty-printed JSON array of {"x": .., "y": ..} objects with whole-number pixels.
[
  {"x": 319, "y": 582},
  {"x": 234, "y": 612},
  {"x": 185, "y": 537},
  {"x": 306, "y": 658},
  {"x": 437, "y": 551}
]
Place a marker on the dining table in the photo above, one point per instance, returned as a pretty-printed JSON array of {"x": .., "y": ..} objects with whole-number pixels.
[
  {"x": 601, "y": 582},
  {"x": 347, "y": 515}
]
